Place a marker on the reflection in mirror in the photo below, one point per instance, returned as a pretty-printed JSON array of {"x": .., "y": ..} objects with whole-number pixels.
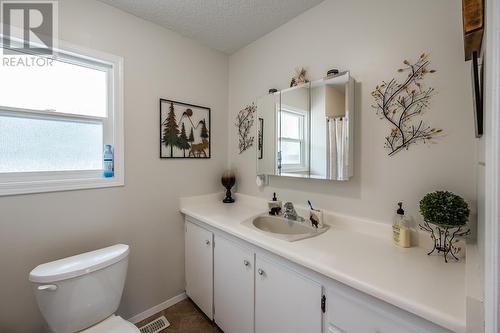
[
  {"x": 293, "y": 138},
  {"x": 332, "y": 102},
  {"x": 307, "y": 131},
  {"x": 267, "y": 115}
]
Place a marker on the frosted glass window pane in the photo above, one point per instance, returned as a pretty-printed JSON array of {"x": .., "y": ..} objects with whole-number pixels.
[
  {"x": 61, "y": 87},
  {"x": 290, "y": 152},
  {"x": 28, "y": 144},
  {"x": 290, "y": 125}
]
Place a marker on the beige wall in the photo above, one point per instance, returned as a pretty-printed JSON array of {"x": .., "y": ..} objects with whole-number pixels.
[
  {"x": 144, "y": 214},
  {"x": 371, "y": 39}
]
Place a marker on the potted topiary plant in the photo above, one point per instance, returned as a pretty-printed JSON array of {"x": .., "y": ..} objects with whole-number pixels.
[{"x": 445, "y": 218}]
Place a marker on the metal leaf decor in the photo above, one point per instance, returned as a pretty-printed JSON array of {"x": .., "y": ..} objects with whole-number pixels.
[
  {"x": 244, "y": 122},
  {"x": 402, "y": 105}
]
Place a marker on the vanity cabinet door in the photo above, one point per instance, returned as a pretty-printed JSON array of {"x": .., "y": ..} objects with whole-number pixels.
[
  {"x": 199, "y": 267},
  {"x": 233, "y": 286},
  {"x": 345, "y": 309},
  {"x": 285, "y": 301}
]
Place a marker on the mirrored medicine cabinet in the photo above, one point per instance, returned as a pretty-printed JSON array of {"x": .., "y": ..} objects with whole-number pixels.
[{"x": 307, "y": 131}]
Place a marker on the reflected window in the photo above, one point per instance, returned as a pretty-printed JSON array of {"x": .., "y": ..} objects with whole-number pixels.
[{"x": 292, "y": 140}]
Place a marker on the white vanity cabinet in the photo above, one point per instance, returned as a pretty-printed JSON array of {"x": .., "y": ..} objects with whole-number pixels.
[
  {"x": 233, "y": 286},
  {"x": 285, "y": 301},
  {"x": 246, "y": 289},
  {"x": 199, "y": 267}
]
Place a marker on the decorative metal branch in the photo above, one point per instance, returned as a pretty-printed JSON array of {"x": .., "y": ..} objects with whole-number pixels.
[
  {"x": 402, "y": 103},
  {"x": 244, "y": 122}
]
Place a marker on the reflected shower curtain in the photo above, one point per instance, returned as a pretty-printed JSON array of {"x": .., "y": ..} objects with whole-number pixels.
[{"x": 337, "y": 154}]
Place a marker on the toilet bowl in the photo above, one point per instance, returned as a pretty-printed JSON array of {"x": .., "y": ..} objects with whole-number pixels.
[{"x": 82, "y": 293}]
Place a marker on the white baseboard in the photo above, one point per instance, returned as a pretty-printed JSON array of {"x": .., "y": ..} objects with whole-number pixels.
[{"x": 157, "y": 308}]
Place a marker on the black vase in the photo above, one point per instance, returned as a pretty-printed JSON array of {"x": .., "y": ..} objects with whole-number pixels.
[{"x": 228, "y": 180}]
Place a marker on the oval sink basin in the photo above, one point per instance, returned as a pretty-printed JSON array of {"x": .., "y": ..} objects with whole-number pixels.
[
  {"x": 278, "y": 225},
  {"x": 286, "y": 229}
]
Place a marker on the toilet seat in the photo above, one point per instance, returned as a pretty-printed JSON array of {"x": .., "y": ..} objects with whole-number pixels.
[{"x": 114, "y": 324}]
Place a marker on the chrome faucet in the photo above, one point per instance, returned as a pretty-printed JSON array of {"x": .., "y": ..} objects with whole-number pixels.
[{"x": 291, "y": 214}]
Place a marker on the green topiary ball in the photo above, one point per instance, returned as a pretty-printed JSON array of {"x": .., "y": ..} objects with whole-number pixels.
[{"x": 444, "y": 208}]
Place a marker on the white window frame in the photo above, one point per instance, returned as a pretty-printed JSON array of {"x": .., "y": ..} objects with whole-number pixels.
[
  {"x": 303, "y": 165},
  {"x": 14, "y": 183}
]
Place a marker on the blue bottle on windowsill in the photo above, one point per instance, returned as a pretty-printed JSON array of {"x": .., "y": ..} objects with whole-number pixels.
[{"x": 108, "y": 161}]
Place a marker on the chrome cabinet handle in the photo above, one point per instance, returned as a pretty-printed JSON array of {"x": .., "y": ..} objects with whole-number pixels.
[
  {"x": 246, "y": 263},
  {"x": 49, "y": 287},
  {"x": 260, "y": 271}
]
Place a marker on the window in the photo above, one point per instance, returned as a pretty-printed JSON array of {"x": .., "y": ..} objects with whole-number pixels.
[
  {"x": 55, "y": 116},
  {"x": 293, "y": 134}
]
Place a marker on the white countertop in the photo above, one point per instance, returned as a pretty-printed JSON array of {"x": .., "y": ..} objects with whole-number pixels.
[{"x": 355, "y": 253}]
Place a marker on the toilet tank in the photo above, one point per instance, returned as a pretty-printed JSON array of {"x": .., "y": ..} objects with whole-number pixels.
[{"x": 77, "y": 292}]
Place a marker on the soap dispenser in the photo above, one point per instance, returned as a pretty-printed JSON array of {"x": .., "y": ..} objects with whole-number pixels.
[
  {"x": 401, "y": 232},
  {"x": 274, "y": 205}
]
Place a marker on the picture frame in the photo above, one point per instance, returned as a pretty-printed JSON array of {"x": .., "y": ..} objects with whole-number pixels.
[
  {"x": 185, "y": 130},
  {"x": 477, "y": 93},
  {"x": 260, "y": 139}
]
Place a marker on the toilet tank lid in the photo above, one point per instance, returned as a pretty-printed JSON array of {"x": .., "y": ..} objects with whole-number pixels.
[{"x": 78, "y": 265}]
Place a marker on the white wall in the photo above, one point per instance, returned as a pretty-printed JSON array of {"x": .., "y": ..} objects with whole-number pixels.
[
  {"x": 371, "y": 39},
  {"x": 144, "y": 214},
  {"x": 491, "y": 218}
]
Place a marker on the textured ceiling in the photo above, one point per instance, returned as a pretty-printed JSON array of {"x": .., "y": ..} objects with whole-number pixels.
[{"x": 225, "y": 25}]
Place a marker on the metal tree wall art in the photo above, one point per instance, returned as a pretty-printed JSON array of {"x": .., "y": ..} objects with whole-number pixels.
[
  {"x": 244, "y": 122},
  {"x": 184, "y": 130},
  {"x": 402, "y": 104}
]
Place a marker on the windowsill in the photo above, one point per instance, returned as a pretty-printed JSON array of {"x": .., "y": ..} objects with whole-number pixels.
[
  {"x": 294, "y": 174},
  {"x": 53, "y": 185},
  {"x": 299, "y": 169}
]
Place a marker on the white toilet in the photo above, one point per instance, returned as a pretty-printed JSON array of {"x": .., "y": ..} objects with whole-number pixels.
[{"x": 82, "y": 293}]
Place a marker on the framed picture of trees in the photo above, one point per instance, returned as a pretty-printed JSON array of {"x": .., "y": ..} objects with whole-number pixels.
[{"x": 184, "y": 130}]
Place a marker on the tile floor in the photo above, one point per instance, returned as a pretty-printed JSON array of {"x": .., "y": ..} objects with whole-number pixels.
[{"x": 184, "y": 317}]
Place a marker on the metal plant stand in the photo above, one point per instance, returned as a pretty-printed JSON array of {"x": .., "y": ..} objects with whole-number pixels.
[{"x": 445, "y": 239}]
